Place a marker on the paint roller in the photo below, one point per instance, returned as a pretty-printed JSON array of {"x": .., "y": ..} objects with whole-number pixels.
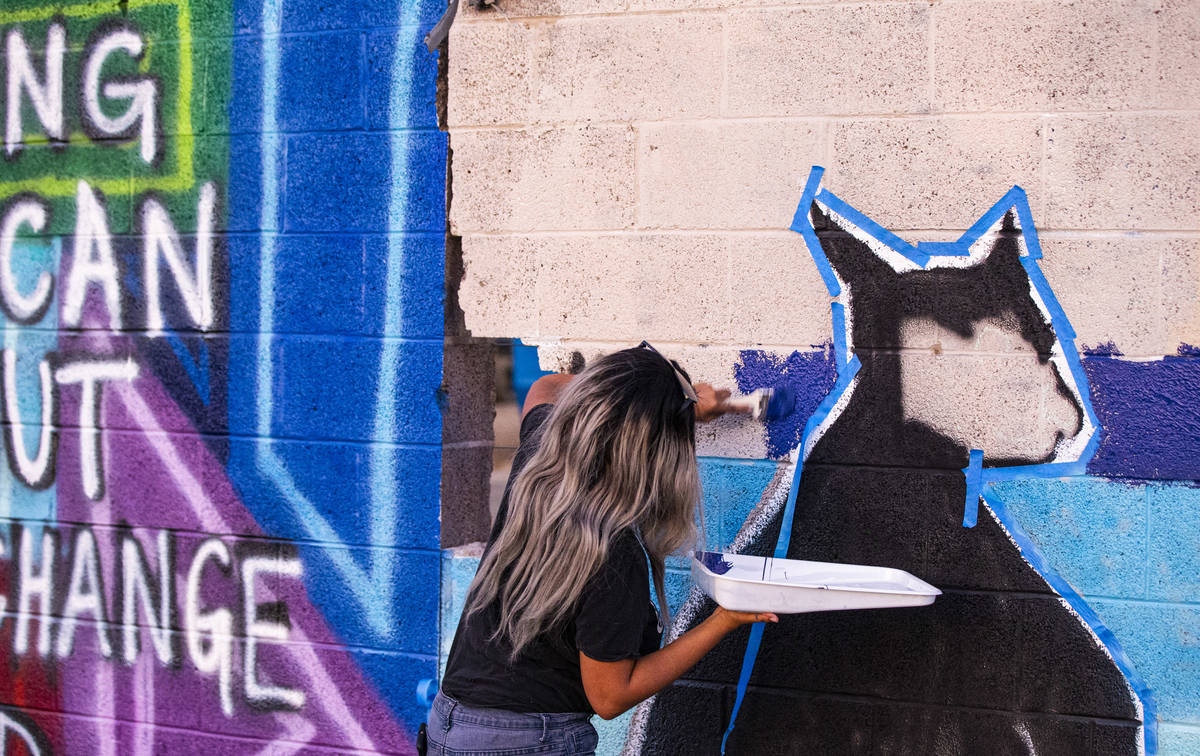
[{"x": 767, "y": 404}]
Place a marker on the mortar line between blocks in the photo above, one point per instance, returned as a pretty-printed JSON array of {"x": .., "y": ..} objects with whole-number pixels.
[
  {"x": 1186, "y": 604},
  {"x": 479, "y": 19},
  {"x": 815, "y": 116},
  {"x": 1046, "y": 234},
  {"x": 606, "y": 343}
]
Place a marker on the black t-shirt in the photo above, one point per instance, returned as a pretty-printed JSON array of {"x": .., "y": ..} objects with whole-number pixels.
[{"x": 613, "y": 620}]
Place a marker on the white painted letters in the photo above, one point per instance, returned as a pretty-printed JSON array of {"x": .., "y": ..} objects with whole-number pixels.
[
  {"x": 45, "y": 95},
  {"x": 9, "y": 724},
  {"x": 258, "y": 629},
  {"x": 92, "y": 260},
  {"x": 26, "y": 309},
  {"x": 90, "y": 374},
  {"x": 213, "y": 627},
  {"x": 142, "y": 94},
  {"x": 135, "y": 584},
  {"x": 37, "y": 472},
  {"x": 85, "y": 595},
  {"x": 162, "y": 240},
  {"x": 30, "y": 585}
]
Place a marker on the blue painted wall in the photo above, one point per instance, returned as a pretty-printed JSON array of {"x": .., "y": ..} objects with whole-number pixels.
[
  {"x": 341, "y": 271},
  {"x": 278, "y": 466}
]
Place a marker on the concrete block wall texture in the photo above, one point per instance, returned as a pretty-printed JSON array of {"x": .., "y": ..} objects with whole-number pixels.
[
  {"x": 629, "y": 170},
  {"x": 223, "y": 295}
]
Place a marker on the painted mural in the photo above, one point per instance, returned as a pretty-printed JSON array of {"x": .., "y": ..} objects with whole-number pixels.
[
  {"x": 221, "y": 256},
  {"x": 1022, "y": 485}
]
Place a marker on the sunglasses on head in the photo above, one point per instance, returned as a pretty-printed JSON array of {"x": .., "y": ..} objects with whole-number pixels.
[{"x": 689, "y": 391}]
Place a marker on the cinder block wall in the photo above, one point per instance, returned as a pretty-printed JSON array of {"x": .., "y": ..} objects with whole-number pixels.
[
  {"x": 628, "y": 169},
  {"x": 220, "y": 533}
]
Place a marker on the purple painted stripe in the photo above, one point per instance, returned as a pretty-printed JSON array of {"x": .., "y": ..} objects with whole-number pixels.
[{"x": 1149, "y": 415}]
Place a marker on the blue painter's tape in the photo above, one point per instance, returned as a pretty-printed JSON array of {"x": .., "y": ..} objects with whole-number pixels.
[
  {"x": 1028, "y": 229},
  {"x": 1011, "y": 198},
  {"x": 838, "y": 311},
  {"x": 1058, "y": 318},
  {"x": 844, "y": 209},
  {"x": 1081, "y": 382},
  {"x": 1085, "y": 612},
  {"x": 945, "y": 249},
  {"x": 802, "y": 224},
  {"x": 846, "y": 374},
  {"x": 800, "y": 219},
  {"x": 974, "y": 473},
  {"x": 756, "y": 634}
]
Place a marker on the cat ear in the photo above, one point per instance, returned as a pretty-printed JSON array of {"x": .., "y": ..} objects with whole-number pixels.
[{"x": 851, "y": 251}]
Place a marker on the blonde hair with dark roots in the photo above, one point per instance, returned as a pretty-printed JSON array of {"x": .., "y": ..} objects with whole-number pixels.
[{"x": 616, "y": 453}]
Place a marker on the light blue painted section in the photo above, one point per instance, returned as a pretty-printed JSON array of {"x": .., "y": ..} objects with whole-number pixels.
[
  {"x": 1173, "y": 562},
  {"x": 1179, "y": 740},
  {"x": 1163, "y": 642},
  {"x": 732, "y": 488},
  {"x": 1092, "y": 530},
  {"x": 32, "y": 343},
  {"x": 612, "y": 733},
  {"x": 1132, "y": 551},
  {"x": 457, "y": 572}
]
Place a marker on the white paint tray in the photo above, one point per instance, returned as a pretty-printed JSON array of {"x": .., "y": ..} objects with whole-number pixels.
[{"x": 745, "y": 583}]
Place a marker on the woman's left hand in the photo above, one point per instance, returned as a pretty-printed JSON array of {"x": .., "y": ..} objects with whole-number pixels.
[{"x": 713, "y": 403}]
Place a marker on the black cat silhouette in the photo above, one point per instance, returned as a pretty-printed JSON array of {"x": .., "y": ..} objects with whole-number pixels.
[{"x": 1001, "y": 663}]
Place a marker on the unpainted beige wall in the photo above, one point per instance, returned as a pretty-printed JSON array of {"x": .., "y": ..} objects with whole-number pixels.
[{"x": 627, "y": 169}]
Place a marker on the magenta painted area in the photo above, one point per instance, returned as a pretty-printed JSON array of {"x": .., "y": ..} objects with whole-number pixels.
[
  {"x": 1149, "y": 415},
  {"x": 809, "y": 375},
  {"x": 171, "y": 480}
]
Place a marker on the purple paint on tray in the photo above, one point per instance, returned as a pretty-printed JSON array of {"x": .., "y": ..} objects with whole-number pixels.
[
  {"x": 1149, "y": 416},
  {"x": 714, "y": 561},
  {"x": 808, "y": 375}
]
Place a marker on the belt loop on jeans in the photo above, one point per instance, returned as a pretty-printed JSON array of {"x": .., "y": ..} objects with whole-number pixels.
[
  {"x": 449, "y": 714},
  {"x": 545, "y": 726}
]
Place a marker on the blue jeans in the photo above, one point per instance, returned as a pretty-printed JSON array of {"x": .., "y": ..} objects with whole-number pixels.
[{"x": 458, "y": 730}]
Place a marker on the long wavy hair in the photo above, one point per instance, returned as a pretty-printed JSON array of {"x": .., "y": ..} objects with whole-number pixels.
[{"x": 618, "y": 452}]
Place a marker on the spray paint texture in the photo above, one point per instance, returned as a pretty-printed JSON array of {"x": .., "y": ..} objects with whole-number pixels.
[{"x": 183, "y": 563}]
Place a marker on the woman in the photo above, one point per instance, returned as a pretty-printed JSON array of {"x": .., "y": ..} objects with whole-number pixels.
[{"x": 558, "y": 623}]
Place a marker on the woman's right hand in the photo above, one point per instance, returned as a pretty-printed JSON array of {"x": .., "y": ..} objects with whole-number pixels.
[{"x": 730, "y": 620}]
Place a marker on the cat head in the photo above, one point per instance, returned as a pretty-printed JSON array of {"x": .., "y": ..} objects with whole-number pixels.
[{"x": 965, "y": 338}]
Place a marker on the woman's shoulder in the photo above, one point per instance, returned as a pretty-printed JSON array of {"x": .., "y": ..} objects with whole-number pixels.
[
  {"x": 535, "y": 417},
  {"x": 626, "y": 555}
]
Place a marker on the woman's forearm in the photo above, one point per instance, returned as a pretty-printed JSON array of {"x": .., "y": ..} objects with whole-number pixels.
[
  {"x": 613, "y": 687},
  {"x": 653, "y": 672}
]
